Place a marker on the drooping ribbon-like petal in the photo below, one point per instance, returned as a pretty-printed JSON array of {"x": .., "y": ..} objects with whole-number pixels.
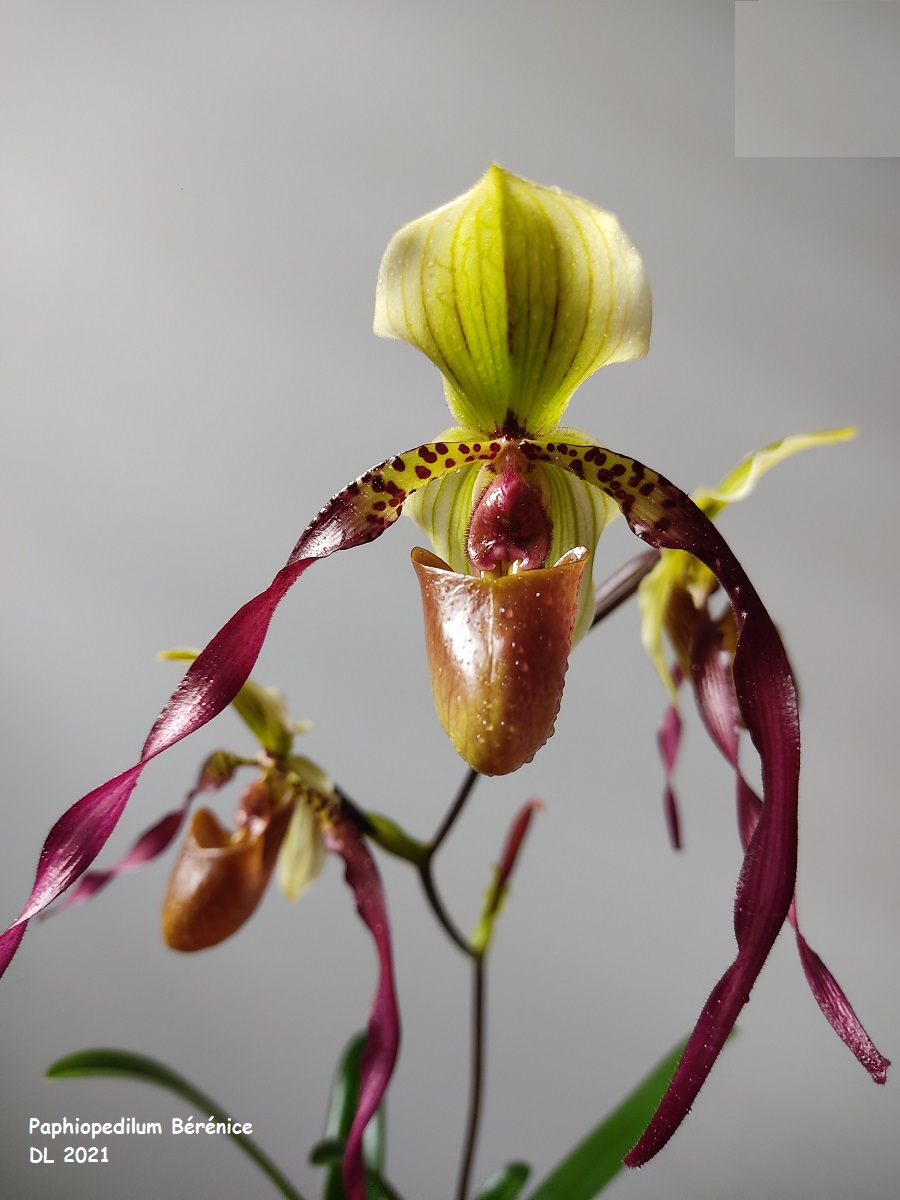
[
  {"x": 355, "y": 516},
  {"x": 716, "y": 702},
  {"x": 383, "y": 1031},
  {"x": 517, "y": 293},
  {"x": 215, "y": 773},
  {"x": 666, "y": 518}
]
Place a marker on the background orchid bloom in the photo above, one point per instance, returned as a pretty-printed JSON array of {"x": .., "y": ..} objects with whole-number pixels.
[
  {"x": 286, "y": 820},
  {"x": 675, "y": 599},
  {"x": 517, "y": 293}
]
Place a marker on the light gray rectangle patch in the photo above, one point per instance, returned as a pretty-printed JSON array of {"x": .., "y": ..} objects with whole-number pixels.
[{"x": 816, "y": 79}]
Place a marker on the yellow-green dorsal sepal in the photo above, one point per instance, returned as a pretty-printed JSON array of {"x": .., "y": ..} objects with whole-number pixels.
[{"x": 516, "y": 293}]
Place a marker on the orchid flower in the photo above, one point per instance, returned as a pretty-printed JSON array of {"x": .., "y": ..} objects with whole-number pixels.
[
  {"x": 517, "y": 293},
  {"x": 674, "y": 600},
  {"x": 286, "y": 820}
]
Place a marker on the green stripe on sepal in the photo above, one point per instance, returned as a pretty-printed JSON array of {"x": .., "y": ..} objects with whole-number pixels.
[{"x": 516, "y": 293}]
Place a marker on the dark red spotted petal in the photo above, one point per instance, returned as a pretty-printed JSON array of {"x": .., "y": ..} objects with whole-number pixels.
[
  {"x": 358, "y": 514},
  {"x": 666, "y": 518},
  {"x": 711, "y": 669},
  {"x": 383, "y": 1032}
]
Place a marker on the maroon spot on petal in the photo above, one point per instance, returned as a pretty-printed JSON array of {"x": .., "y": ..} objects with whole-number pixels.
[
  {"x": 477, "y": 447},
  {"x": 441, "y": 447},
  {"x": 429, "y": 456},
  {"x": 377, "y": 483},
  {"x": 380, "y": 505},
  {"x": 352, "y": 489},
  {"x": 463, "y": 448},
  {"x": 450, "y": 463},
  {"x": 646, "y": 489},
  {"x": 662, "y": 524},
  {"x": 398, "y": 464},
  {"x": 423, "y": 472},
  {"x": 618, "y": 469}
]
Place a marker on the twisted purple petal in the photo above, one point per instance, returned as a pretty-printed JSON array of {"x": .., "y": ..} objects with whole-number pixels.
[
  {"x": 383, "y": 1031},
  {"x": 718, "y": 707},
  {"x": 152, "y": 842},
  {"x": 358, "y": 514},
  {"x": 666, "y": 518}
]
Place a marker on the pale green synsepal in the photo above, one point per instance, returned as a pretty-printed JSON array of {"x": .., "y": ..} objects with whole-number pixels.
[
  {"x": 676, "y": 569},
  {"x": 740, "y": 482},
  {"x": 302, "y": 853},
  {"x": 516, "y": 293}
]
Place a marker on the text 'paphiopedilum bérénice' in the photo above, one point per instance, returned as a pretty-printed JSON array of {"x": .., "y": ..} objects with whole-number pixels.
[{"x": 517, "y": 293}]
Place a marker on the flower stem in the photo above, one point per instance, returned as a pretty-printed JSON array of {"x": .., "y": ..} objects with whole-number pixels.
[
  {"x": 476, "y": 1087},
  {"x": 425, "y": 872},
  {"x": 455, "y": 809}
]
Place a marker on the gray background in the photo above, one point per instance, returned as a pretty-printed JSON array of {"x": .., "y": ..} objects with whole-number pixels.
[
  {"x": 814, "y": 78},
  {"x": 196, "y": 198}
]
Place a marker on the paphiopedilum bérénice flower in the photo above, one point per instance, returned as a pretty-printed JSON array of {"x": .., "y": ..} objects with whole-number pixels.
[{"x": 517, "y": 293}]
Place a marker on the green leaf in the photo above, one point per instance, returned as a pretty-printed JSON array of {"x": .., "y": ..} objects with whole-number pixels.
[
  {"x": 147, "y": 1070},
  {"x": 585, "y": 1172},
  {"x": 505, "y": 1184}
]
